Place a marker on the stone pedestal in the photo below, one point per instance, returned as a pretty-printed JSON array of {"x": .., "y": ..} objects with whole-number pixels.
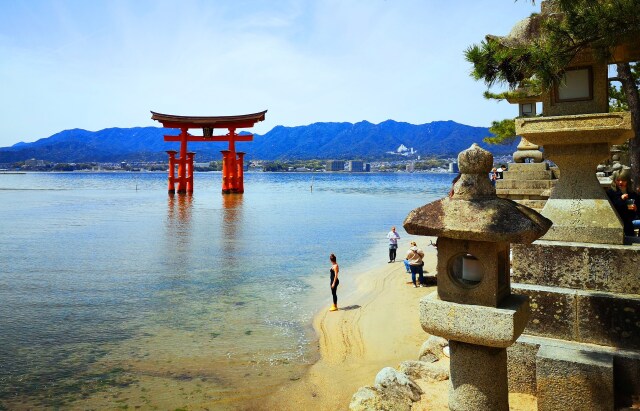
[
  {"x": 474, "y": 387},
  {"x": 578, "y": 203},
  {"x": 578, "y": 206},
  {"x": 477, "y": 335}
]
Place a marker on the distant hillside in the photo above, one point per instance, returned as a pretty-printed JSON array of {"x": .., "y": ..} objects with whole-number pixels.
[{"x": 320, "y": 140}]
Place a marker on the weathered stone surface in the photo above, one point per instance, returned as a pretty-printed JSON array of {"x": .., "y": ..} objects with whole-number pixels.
[
  {"x": 527, "y": 167},
  {"x": 478, "y": 378},
  {"x": 521, "y": 155},
  {"x": 431, "y": 350},
  {"x": 495, "y": 219},
  {"x": 394, "y": 381},
  {"x": 582, "y": 379},
  {"x": 583, "y": 316},
  {"x": 473, "y": 324},
  {"x": 528, "y": 175},
  {"x": 474, "y": 212},
  {"x": 521, "y": 367},
  {"x": 376, "y": 398},
  {"x": 610, "y": 268},
  {"x": 578, "y": 206},
  {"x": 438, "y": 371},
  {"x": 522, "y": 355},
  {"x": 525, "y": 145},
  {"x": 626, "y": 368},
  {"x": 512, "y": 192},
  {"x": 612, "y": 128},
  {"x": 532, "y": 203},
  {"x": 583, "y": 220},
  {"x": 524, "y": 184},
  {"x": 553, "y": 311},
  {"x": 493, "y": 259},
  {"x": 608, "y": 319},
  {"x": 393, "y": 390},
  {"x": 598, "y": 104}
]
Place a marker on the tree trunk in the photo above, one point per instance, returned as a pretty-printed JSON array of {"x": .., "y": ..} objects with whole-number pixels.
[{"x": 633, "y": 100}]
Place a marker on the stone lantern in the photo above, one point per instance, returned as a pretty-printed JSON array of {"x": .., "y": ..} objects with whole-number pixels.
[{"x": 473, "y": 306}]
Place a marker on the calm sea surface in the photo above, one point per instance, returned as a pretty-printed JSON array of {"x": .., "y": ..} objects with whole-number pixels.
[{"x": 115, "y": 295}]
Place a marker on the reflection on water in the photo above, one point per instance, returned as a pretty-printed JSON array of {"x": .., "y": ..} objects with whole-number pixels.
[
  {"x": 232, "y": 226},
  {"x": 178, "y": 230},
  {"x": 180, "y": 208}
]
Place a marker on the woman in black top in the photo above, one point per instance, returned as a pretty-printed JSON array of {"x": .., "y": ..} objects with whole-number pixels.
[{"x": 334, "y": 281}]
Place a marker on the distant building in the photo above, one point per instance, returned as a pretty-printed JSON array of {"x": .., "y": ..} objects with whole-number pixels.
[
  {"x": 355, "y": 166},
  {"x": 411, "y": 167},
  {"x": 335, "y": 165},
  {"x": 367, "y": 167},
  {"x": 34, "y": 163},
  {"x": 453, "y": 167}
]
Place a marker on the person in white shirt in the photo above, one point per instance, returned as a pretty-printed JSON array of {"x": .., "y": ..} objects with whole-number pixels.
[{"x": 393, "y": 237}]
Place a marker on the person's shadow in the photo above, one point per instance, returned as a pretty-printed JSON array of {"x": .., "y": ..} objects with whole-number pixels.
[{"x": 350, "y": 307}]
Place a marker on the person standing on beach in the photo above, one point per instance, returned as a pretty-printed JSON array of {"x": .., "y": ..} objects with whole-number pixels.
[
  {"x": 393, "y": 237},
  {"x": 415, "y": 256},
  {"x": 334, "y": 281}
]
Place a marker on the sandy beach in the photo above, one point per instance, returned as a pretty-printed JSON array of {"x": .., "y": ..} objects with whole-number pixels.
[{"x": 376, "y": 326}]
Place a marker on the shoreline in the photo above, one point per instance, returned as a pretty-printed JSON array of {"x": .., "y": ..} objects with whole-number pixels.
[{"x": 377, "y": 325}]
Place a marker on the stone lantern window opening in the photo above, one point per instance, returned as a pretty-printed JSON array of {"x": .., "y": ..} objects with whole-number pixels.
[
  {"x": 466, "y": 270},
  {"x": 528, "y": 109},
  {"x": 576, "y": 85}
]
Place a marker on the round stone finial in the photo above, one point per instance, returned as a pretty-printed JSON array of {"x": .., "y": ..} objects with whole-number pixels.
[
  {"x": 475, "y": 160},
  {"x": 475, "y": 164}
]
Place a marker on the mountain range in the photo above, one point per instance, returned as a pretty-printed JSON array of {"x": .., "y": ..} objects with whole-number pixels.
[{"x": 361, "y": 140}]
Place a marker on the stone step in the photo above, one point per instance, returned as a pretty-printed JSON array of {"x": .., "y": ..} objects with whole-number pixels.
[
  {"x": 525, "y": 184},
  {"x": 522, "y": 192},
  {"x": 583, "y": 316},
  {"x": 595, "y": 267},
  {"x": 525, "y": 167},
  {"x": 528, "y": 175},
  {"x": 568, "y": 376},
  {"x": 522, "y": 365},
  {"x": 518, "y": 198}
]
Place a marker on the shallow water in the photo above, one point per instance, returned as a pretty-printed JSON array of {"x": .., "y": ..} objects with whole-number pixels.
[{"x": 114, "y": 294}]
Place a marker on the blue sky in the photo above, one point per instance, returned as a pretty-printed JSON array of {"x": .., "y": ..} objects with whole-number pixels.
[{"x": 98, "y": 64}]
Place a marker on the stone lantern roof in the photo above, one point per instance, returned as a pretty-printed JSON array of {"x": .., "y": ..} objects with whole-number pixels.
[
  {"x": 474, "y": 211},
  {"x": 528, "y": 30}
]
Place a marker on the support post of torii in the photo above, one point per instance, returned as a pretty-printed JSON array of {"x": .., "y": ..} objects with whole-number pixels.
[{"x": 232, "y": 161}]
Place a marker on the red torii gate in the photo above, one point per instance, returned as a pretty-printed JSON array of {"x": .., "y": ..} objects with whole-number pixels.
[{"x": 232, "y": 161}]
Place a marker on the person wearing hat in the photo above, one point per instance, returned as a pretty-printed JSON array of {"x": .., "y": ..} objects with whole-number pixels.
[
  {"x": 624, "y": 200},
  {"x": 414, "y": 257}
]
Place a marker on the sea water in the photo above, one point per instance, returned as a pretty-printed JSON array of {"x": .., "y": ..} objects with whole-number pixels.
[{"x": 114, "y": 294}]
